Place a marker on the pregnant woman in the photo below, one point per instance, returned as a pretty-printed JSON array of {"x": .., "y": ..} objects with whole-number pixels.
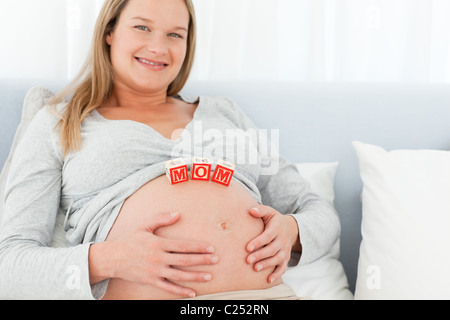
[{"x": 98, "y": 155}]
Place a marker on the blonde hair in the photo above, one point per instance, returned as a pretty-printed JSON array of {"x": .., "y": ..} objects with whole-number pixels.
[{"x": 94, "y": 84}]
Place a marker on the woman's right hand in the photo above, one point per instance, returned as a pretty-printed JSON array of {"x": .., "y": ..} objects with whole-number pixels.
[{"x": 145, "y": 258}]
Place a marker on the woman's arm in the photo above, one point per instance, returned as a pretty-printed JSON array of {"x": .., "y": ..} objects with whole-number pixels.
[
  {"x": 287, "y": 198},
  {"x": 28, "y": 268},
  {"x": 297, "y": 223},
  {"x": 318, "y": 223}
]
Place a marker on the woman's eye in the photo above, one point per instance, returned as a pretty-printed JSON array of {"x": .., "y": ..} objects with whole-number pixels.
[
  {"x": 175, "y": 35},
  {"x": 143, "y": 28}
]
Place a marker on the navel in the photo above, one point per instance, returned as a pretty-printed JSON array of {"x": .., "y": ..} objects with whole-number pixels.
[{"x": 224, "y": 226}]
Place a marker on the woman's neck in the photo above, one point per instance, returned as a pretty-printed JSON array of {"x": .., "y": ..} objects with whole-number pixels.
[{"x": 126, "y": 97}]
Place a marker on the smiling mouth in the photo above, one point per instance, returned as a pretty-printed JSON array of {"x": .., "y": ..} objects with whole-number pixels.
[{"x": 152, "y": 63}]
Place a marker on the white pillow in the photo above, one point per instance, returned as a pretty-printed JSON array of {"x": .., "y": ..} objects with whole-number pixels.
[
  {"x": 406, "y": 222},
  {"x": 324, "y": 279}
]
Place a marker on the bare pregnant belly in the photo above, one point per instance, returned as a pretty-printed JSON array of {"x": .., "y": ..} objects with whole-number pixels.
[{"x": 210, "y": 213}]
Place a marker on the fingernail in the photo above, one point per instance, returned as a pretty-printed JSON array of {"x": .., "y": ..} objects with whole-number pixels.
[
  {"x": 251, "y": 248},
  {"x": 251, "y": 260},
  {"x": 210, "y": 249},
  {"x": 192, "y": 295},
  {"x": 214, "y": 260},
  {"x": 255, "y": 209},
  {"x": 207, "y": 277},
  {"x": 174, "y": 214},
  {"x": 259, "y": 268}
]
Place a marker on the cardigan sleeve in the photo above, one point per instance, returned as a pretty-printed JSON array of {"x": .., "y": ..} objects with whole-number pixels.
[
  {"x": 29, "y": 268},
  {"x": 283, "y": 188}
]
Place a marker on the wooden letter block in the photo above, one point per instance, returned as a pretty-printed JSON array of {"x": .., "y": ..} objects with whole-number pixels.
[
  {"x": 223, "y": 173},
  {"x": 176, "y": 171},
  {"x": 201, "y": 169}
]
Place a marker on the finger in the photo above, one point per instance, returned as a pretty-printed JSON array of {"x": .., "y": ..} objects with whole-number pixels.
[
  {"x": 187, "y": 246},
  {"x": 163, "y": 220},
  {"x": 258, "y": 211},
  {"x": 263, "y": 212},
  {"x": 175, "y": 289},
  {"x": 277, "y": 259},
  {"x": 263, "y": 253},
  {"x": 277, "y": 273},
  {"x": 262, "y": 240},
  {"x": 174, "y": 274},
  {"x": 190, "y": 260}
]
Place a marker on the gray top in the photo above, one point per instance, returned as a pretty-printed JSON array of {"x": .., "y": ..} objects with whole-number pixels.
[{"x": 117, "y": 158}]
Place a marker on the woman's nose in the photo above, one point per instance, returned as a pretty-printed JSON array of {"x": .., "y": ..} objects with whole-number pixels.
[{"x": 157, "y": 45}]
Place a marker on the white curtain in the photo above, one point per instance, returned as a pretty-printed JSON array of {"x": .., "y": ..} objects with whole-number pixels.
[
  {"x": 325, "y": 40},
  {"x": 301, "y": 40},
  {"x": 45, "y": 39}
]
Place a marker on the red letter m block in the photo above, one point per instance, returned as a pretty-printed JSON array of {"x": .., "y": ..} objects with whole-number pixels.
[
  {"x": 176, "y": 171},
  {"x": 223, "y": 173}
]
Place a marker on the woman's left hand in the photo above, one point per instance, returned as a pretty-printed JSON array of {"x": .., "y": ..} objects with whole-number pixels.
[{"x": 272, "y": 248}]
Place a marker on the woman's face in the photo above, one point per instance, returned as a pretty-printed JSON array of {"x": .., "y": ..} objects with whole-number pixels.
[{"x": 149, "y": 43}]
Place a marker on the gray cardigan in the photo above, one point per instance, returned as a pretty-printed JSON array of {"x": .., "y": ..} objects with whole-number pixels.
[{"x": 117, "y": 158}]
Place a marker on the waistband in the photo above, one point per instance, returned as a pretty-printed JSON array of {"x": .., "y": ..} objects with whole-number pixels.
[{"x": 279, "y": 292}]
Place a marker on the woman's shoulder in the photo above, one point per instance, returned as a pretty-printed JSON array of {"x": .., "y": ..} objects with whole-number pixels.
[
  {"x": 225, "y": 106},
  {"x": 38, "y": 136},
  {"x": 213, "y": 101},
  {"x": 217, "y": 106},
  {"x": 43, "y": 125},
  {"x": 214, "y": 104},
  {"x": 219, "y": 101},
  {"x": 48, "y": 116}
]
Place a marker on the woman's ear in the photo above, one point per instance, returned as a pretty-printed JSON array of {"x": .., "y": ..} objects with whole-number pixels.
[{"x": 109, "y": 38}]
